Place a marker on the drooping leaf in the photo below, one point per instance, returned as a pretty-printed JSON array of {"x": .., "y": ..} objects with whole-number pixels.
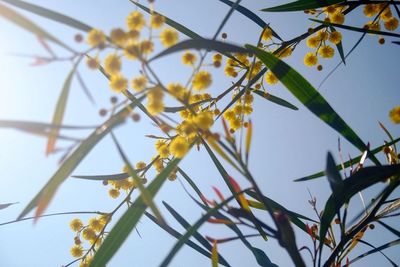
[
  {"x": 144, "y": 193},
  {"x": 6, "y": 205},
  {"x": 301, "y": 5},
  {"x": 177, "y": 26},
  {"x": 112, "y": 177},
  {"x": 194, "y": 228},
  {"x": 391, "y": 229},
  {"x": 29, "y": 25},
  {"x": 339, "y": 47},
  {"x": 43, "y": 198},
  {"x": 50, "y": 14},
  {"x": 275, "y": 99},
  {"x": 58, "y": 115},
  {"x": 351, "y": 28},
  {"x": 309, "y": 96},
  {"x": 361, "y": 180},
  {"x": 347, "y": 163},
  {"x": 196, "y": 234},
  {"x": 333, "y": 175},
  {"x": 378, "y": 249},
  {"x": 252, "y": 16},
  {"x": 124, "y": 226},
  {"x": 178, "y": 235},
  {"x": 221, "y": 47}
]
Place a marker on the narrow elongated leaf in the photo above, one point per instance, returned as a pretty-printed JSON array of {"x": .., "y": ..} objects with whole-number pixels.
[
  {"x": 39, "y": 126},
  {"x": 334, "y": 178},
  {"x": 361, "y": 180},
  {"x": 179, "y": 27},
  {"x": 29, "y": 25},
  {"x": 252, "y": 16},
  {"x": 59, "y": 111},
  {"x": 221, "y": 47},
  {"x": 275, "y": 99},
  {"x": 301, "y": 5},
  {"x": 196, "y": 234},
  {"x": 43, "y": 198},
  {"x": 50, "y": 14},
  {"x": 378, "y": 249},
  {"x": 391, "y": 229},
  {"x": 144, "y": 193},
  {"x": 347, "y": 163},
  {"x": 214, "y": 255},
  {"x": 178, "y": 235},
  {"x": 116, "y": 177},
  {"x": 309, "y": 96},
  {"x": 351, "y": 28},
  {"x": 6, "y": 205},
  {"x": 124, "y": 226},
  {"x": 194, "y": 228},
  {"x": 339, "y": 47}
]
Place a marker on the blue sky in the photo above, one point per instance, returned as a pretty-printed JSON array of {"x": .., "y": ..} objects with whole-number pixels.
[{"x": 286, "y": 145}]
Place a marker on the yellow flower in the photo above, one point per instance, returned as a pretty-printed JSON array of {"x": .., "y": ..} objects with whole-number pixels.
[
  {"x": 92, "y": 63},
  {"x": 118, "y": 83},
  {"x": 189, "y": 58},
  {"x": 370, "y": 10},
  {"x": 286, "y": 52},
  {"x": 310, "y": 59},
  {"x": 267, "y": 34},
  {"x": 394, "y": 115},
  {"x": 118, "y": 36},
  {"x": 176, "y": 90},
  {"x": 270, "y": 78},
  {"x": 76, "y": 225},
  {"x": 374, "y": 26},
  {"x": 96, "y": 38},
  {"x": 135, "y": 21},
  {"x": 112, "y": 64},
  {"x": 230, "y": 71},
  {"x": 146, "y": 47},
  {"x": 335, "y": 37},
  {"x": 139, "y": 83},
  {"x": 313, "y": 42},
  {"x": 132, "y": 51},
  {"x": 133, "y": 35},
  {"x": 204, "y": 120},
  {"x": 76, "y": 251},
  {"x": 217, "y": 57},
  {"x": 391, "y": 24},
  {"x": 179, "y": 147},
  {"x": 169, "y": 37},
  {"x": 229, "y": 114},
  {"x": 157, "y": 21},
  {"x": 89, "y": 234},
  {"x": 326, "y": 51},
  {"x": 322, "y": 35},
  {"x": 95, "y": 224},
  {"x": 163, "y": 150},
  {"x": 141, "y": 165},
  {"x": 155, "y": 107},
  {"x": 114, "y": 193},
  {"x": 337, "y": 18},
  {"x": 201, "y": 80},
  {"x": 329, "y": 9}
]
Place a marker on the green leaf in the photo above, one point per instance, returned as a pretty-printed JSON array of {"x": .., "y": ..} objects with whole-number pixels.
[
  {"x": 194, "y": 228},
  {"x": 144, "y": 193},
  {"x": 42, "y": 199},
  {"x": 339, "y": 47},
  {"x": 333, "y": 175},
  {"x": 301, "y": 5},
  {"x": 275, "y": 206},
  {"x": 347, "y": 163},
  {"x": 112, "y": 177},
  {"x": 262, "y": 258},
  {"x": 378, "y": 249},
  {"x": 391, "y": 229},
  {"x": 191, "y": 183},
  {"x": 196, "y": 234},
  {"x": 361, "y": 180},
  {"x": 179, "y": 27},
  {"x": 309, "y": 96},
  {"x": 221, "y": 47},
  {"x": 6, "y": 205},
  {"x": 59, "y": 111},
  {"x": 351, "y": 28},
  {"x": 177, "y": 235},
  {"x": 275, "y": 99},
  {"x": 29, "y": 25},
  {"x": 252, "y": 16},
  {"x": 122, "y": 228},
  {"x": 50, "y": 14}
]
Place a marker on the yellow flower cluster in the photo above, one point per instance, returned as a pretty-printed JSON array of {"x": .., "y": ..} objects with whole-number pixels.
[
  {"x": 381, "y": 14},
  {"x": 394, "y": 115},
  {"x": 235, "y": 116},
  {"x": 93, "y": 233},
  {"x": 319, "y": 42}
]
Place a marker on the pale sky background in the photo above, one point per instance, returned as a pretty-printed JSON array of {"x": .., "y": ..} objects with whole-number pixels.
[{"x": 286, "y": 145}]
